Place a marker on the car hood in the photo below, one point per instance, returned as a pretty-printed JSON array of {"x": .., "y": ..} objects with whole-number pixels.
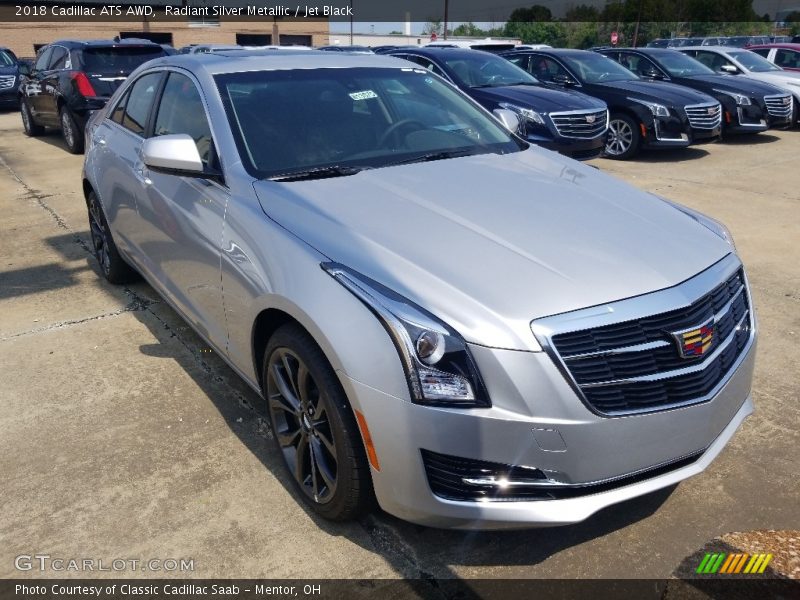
[
  {"x": 538, "y": 98},
  {"x": 8, "y": 70},
  {"x": 489, "y": 243},
  {"x": 658, "y": 91},
  {"x": 738, "y": 83},
  {"x": 781, "y": 79}
]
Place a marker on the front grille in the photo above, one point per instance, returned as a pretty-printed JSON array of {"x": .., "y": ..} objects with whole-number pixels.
[
  {"x": 779, "y": 106},
  {"x": 453, "y": 478},
  {"x": 635, "y": 366},
  {"x": 585, "y": 124},
  {"x": 704, "y": 116},
  {"x": 7, "y": 81}
]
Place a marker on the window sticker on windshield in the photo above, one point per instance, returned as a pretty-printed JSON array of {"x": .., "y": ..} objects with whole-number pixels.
[{"x": 365, "y": 95}]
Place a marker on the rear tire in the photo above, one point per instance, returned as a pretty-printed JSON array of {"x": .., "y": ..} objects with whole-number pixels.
[
  {"x": 314, "y": 428},
  {"x": 112, "y": 265},
  {"x": 73, "y": 137},
  {"x": 624, "y": 137},
  {"x": 28, "y": 124}
]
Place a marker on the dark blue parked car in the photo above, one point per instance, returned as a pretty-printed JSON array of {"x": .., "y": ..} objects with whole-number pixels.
[{"x": 569, "y": 122}]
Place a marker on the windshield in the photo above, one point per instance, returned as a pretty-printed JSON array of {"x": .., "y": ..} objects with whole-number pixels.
[
  {"x": 596, "y": 68},
  {"x": 680, "y": 65},
  {"x": 753, "y": 62},
  {"x": 477, "y": 69},
  {"x": 345, "y": 120},
  {"x": 118, "y": 59},
  {"x": 6, "y": 60}
]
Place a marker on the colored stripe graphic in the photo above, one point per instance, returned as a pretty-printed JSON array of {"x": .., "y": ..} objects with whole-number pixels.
[
  {"x": 727, "y": 564},
  {"x": 717, "y": 562},
  {"x": 764, "y": 564}
]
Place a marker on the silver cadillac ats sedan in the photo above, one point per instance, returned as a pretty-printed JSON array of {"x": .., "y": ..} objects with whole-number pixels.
[{"x": 474, "y": 332}]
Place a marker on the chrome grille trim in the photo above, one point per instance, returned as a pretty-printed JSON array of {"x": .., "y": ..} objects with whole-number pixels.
[
  {"x": 7, "y": 81},
  {"x": 700, "y": 118},
  {"x": 692, "y": 368},
  {"x": 651, "y": 309},
  {"x": 777, "y": 108},
  {"x": 573, "y": 123}
]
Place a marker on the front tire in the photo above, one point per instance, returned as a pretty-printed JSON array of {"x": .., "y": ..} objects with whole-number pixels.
[
  {"x": 28, "y": 124},
  {"x": 314, "y": 428},
  {"x": 112, "y": 265},
  {"x": 73, "y": 137},
  {"x": 623, "y": 137}
]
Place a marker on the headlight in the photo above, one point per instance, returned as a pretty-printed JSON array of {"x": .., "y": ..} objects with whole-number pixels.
[
  {"x": 527, "y": 114},
  {"x": 740, "y": 99},
  {"x": 704, "y": 220},
  {"x": 439, "y": 368},
  {"x": 658, "y": 110}
]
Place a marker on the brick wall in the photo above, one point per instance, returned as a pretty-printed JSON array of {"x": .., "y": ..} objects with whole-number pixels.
[{"x": 21, "y": 37}]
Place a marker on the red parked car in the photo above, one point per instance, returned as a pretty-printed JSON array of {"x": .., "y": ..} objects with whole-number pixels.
[{"x": 784, "y": 55}]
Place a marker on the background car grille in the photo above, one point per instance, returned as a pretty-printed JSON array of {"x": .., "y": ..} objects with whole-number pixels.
[
  {"x": 704, "y": 116},
  {"x": 7, "y": 81},
  {"x": 576, "y": 124},
  {"x": 446, "y": 475},
  {"x": 779, "y": 106},
  {"x": 634, "y": 366}
]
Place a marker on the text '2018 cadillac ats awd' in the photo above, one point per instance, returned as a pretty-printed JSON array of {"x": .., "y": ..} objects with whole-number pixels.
[{"x": 474, "y": 331}]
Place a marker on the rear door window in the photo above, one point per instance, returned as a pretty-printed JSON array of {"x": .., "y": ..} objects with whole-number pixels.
[
  {"x": 58, "y": 59},
  {"x": 787, "y": 58},
  {"x": 120, "y": 59},
  {"x": 139, "y": 102}
]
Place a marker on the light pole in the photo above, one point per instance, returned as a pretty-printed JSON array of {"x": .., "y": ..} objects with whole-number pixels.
[{"x": 446, "y": 2}]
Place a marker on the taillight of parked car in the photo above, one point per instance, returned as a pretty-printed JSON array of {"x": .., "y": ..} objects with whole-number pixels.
[{"x": 83, "y": 84}]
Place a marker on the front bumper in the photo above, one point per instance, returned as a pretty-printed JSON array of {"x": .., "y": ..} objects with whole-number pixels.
[
  {"x": 584, "y": 449},
  {"x": 666, "y": 132},
  {"x": 9, "y": 98}
]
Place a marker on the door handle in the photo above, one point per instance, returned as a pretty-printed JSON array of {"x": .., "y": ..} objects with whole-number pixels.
[{"x": 142, "y": 175}]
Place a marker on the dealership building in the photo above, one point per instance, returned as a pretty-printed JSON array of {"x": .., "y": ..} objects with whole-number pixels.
[{"x": 26, "y": 34}]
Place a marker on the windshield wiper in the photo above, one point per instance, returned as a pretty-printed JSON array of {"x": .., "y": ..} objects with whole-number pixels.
[
  {"x": 319, "y": 173},
  {"x": 441, "y": 155}
]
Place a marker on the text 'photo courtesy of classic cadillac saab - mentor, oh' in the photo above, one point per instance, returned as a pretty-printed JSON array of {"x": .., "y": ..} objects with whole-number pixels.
[{"x": 471, "y": 330}]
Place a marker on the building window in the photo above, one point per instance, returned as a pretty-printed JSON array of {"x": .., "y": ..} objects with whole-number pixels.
[{"x": 253, "y": 39}]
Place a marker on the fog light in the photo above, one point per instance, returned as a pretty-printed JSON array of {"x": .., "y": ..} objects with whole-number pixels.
[{"x": 430, "y": 347}]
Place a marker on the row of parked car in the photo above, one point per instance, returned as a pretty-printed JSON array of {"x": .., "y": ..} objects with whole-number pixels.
[
  {"x": 613, "y": 101},
  {"x": 738, "y": 41}
]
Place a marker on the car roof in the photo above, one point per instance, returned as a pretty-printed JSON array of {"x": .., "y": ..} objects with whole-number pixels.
[
  {"x": 442, "y": 51},
  {"x": 787, "y": 45},
  {"x": 237, "y": 61},
  {"x": 93, "y": 43}
]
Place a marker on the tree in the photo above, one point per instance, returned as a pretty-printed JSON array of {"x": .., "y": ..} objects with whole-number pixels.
[
  {"x": 432, "y": 26},
  {"x": 534, "y": 13},
  {"x": 469, "y": 30}
]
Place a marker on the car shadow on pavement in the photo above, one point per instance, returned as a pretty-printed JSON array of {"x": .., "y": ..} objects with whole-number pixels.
[
  {"x": 676, "y": 155},
  {"x": 750, "y": 139}
]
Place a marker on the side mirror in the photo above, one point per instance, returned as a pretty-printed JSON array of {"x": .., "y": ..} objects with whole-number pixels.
[
  {"x": 175, "y": 154},
  {"x": 729, "y": 69},
  {"x": 562, "y": 79},
  {"x": 24, "y": 68},
  {"x": 508, "y": 118}
]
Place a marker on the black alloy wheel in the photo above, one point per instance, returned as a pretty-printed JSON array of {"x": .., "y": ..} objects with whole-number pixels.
[{"x": 313, "y": 426}]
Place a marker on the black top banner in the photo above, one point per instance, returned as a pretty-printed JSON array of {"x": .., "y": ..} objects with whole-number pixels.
[{"x": 491, "y": 11}]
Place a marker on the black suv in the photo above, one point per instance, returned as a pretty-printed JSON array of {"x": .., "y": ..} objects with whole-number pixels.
[
  {"x": 644, "y": 114},
  {"x": 562, "y": 120},
  {"x": 743, "y": 100},
  {"x": 9, "y": 78},
  {"x": 72, "y": 79}
]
